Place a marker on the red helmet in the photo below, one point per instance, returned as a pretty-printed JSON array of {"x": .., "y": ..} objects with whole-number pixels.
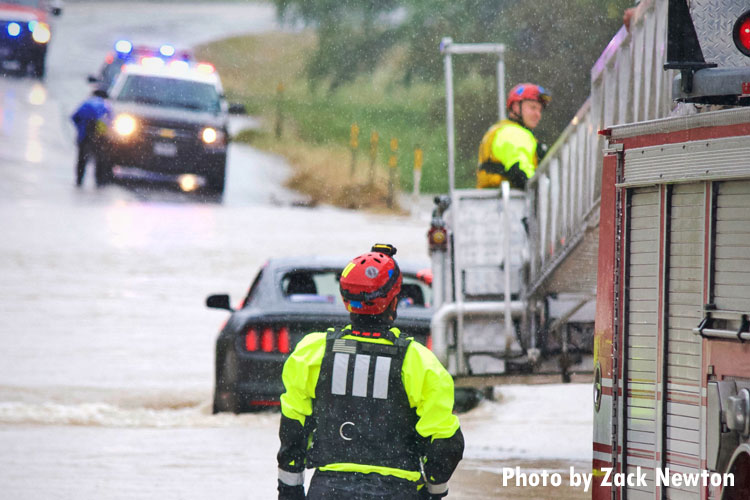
[
  {"x": 527, "y": 92},
  {"x": 370, "y": 282}
]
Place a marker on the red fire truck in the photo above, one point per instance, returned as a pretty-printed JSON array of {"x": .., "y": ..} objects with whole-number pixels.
[{"x": 672, "y": 357}]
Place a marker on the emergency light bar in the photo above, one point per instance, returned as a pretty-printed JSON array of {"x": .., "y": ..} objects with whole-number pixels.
[{"x": 123, "y": 47}]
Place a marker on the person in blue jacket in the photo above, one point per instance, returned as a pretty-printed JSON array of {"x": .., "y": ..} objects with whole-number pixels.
[{"x": 88, "y": 116}]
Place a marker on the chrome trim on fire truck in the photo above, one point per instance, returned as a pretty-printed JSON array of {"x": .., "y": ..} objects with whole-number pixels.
[
  {"x": 680, "y": 123},
  {"x": 727, "y": 158}
]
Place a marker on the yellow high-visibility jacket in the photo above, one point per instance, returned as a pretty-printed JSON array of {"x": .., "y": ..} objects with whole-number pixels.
[
  {"x": 508, "y": 151},
  {"x": 429, "y": 388}
]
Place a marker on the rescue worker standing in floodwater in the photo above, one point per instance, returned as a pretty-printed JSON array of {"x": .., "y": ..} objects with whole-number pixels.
[
  {"x": 368, "y": 407},
  {"x": 509, "y": 151}
]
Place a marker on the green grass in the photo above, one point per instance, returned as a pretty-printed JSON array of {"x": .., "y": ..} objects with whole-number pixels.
[{"x": 253, "y": 67}]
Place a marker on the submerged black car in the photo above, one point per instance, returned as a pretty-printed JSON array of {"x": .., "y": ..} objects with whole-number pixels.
[{"x": 288, "y": 299}]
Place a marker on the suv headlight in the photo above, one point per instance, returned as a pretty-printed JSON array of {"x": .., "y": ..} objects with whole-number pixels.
[
  {"x": 40, "y": 32},
  {"x": 212, "y": 137},
  {"x": 125, "y": 125}
]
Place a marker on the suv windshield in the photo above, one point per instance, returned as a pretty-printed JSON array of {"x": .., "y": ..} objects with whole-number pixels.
[{"x": 170, "y": 93}]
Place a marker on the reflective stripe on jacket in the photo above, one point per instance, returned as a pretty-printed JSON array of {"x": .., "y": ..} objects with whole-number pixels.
[{"x": 428, "y": 387}]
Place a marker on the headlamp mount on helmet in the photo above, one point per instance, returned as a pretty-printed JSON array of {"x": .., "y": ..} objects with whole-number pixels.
[{"x": 385, "y": 248}]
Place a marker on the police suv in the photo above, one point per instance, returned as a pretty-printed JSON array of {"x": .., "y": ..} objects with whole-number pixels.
[{"x": 168, "y": 124}]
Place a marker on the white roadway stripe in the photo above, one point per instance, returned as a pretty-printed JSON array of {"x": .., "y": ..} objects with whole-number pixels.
[
  {"x": 437, "y": 489},
  {"x": 361, "y": 370},
  {"x": 382, "y": 374},
  {"x": 292, "y": 478},
  {"x": 339, "y": 376}
]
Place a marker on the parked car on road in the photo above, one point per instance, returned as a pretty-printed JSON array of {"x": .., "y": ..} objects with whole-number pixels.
[
  {"x": 289, "y": 298},
  {"x": 25, "y": 33}
]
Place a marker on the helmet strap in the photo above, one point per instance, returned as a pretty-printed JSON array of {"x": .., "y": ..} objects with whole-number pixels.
[{"x": 517, "y": 117}]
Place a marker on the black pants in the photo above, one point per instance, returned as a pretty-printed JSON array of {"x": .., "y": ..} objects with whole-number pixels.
[
  {"x": 85, "y": 150},
  {"x": 329, "y": 485}
]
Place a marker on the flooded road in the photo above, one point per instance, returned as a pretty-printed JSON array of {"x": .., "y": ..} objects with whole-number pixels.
[{"x": 106, "y": 347}]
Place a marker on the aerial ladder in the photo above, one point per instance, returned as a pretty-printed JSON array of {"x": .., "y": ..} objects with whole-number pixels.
[{"x": 539, "y": 245}]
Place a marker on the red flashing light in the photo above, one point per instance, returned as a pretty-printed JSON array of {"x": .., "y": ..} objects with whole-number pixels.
[
  {"x": 267, "y": 340},
  {"x": 110, "y": 58},
  {"x": 283, "y": 341},
  {"x": 429, "y": 342},
  {"x": 251, "y": 340},
  {"x": 437, "y": 238},
  {"x": 741, "y": 33}
]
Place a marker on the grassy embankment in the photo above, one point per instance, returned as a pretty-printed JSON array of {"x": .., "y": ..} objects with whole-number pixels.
[{"x": 316, "y": 123}]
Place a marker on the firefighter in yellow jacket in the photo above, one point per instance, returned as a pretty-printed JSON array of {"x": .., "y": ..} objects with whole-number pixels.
[
  {"x": 367, "y": 406},
  {"x": 509, "y": 150}
]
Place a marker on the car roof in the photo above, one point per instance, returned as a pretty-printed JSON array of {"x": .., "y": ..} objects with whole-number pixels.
[
  {"x": 189, "y": 72},
  {"x": 333, "y": 262}
]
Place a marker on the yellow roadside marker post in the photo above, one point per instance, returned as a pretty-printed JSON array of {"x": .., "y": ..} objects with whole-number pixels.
[
  {"x": 373, "y": 155},
  {"x": 279, "y": 117},
  {"x": 354, "y": 144},
  {"x": 418, "y": 161},
  {"x": 392, "y": 164}
]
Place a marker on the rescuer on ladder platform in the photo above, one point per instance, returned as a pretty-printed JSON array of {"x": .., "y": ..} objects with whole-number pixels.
[
  {"x": 367, "y": 406},
  {"x": 509, "y": 151}
]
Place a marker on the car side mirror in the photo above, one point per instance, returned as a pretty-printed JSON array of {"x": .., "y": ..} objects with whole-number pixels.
[
  {"x": 101, "y": 93},
  {"x": 92, "y": 79},
  {"x": 219, "y": 301},
  {"x": 237, "y": 109},
  {"x": 55, "y": 8}
]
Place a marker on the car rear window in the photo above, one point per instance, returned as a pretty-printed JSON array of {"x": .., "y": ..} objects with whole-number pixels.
[
  {"x": 323, "y": 286},
  {"x": 311, "y": 286}
]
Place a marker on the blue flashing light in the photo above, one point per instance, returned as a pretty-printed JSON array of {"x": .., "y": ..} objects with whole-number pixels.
[
  {"x": 123, "y": 47},
  {"x": 14, "y": 29},
  {"x": 166, "y": 50}
]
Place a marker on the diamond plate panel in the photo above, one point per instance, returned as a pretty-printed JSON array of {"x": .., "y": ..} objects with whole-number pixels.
[{"x": 713, "y": 20}]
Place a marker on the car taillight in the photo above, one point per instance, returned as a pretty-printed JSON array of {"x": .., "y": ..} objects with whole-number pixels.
[
  {"x": 429, "y": 342},
  {"x": 283, "y": 340},
  {"x": 267, "y": 340},
  {"x": 251, "y": 340}
]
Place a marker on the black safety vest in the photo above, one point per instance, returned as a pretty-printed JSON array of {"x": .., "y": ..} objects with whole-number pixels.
[{"x": 361, "y": 411}]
